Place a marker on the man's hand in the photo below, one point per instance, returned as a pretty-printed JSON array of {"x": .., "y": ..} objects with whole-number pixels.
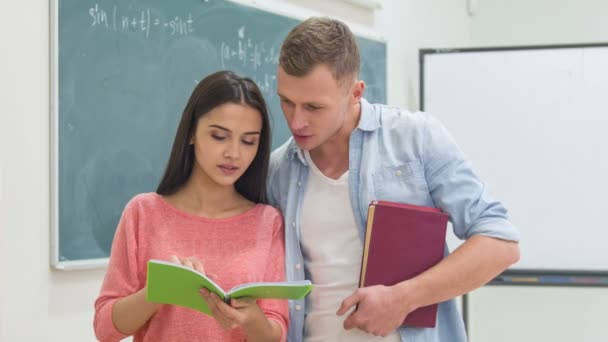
[{"x": 381, "y": 310}]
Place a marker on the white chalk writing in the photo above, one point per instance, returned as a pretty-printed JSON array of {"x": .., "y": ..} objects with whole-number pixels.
[{"x": 140, "y": 21}]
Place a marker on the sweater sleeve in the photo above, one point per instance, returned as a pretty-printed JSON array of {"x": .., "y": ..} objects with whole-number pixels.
[
  {"x": 121, "y": 277},
  {"x": 275, "y": 309}
]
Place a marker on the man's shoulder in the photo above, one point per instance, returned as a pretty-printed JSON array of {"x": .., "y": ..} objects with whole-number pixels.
[
  {"x": 392, "y": 117},
  {"x": 402, "y": 122},
  {"x": 397, "y": 118}
]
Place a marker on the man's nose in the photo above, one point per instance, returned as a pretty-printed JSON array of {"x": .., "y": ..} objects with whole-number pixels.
[{"x": 298, "y": 120}]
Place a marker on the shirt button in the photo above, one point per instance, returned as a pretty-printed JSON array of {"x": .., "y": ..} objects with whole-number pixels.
[
  {"x": 398, "y": 173},
  {"x": 298, "y": 266},
  {"x": 299, "y": 184},
  {"x": 293, "y": 224},
  {"x": 298, "y": 307}
]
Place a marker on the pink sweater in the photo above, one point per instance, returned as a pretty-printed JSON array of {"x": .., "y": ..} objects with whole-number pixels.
[{"x": 245, "y": 248}]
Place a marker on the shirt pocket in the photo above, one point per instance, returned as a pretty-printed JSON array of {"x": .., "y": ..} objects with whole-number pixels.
[{"x": 402, "y": 183}]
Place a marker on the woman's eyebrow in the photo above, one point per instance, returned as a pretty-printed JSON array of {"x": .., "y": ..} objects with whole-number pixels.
[
  {"x": 220, "y": 127},
  {"x": 229, "y": 131}
]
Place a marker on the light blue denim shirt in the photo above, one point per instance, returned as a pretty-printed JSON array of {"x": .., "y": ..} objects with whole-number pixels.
[{"x": 397, "y": 156}]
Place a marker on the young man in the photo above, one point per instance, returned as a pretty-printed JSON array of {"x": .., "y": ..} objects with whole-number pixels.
[{"x": 346, "y": 152}]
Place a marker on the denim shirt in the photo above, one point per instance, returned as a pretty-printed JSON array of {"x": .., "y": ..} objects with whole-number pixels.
[{"x": 397, "y": 156}]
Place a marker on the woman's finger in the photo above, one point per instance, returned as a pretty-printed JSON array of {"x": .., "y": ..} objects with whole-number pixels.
[
  {"x": 242, "y": 302},
  {"x": 187, "y": 262},
  {"x": 226, "y": 310},
  {"x": 198, "y": 265},
  {"x": 214, "y": 303},
  {"x": 175, "y": 259},
  {"x": 211, "y": 303}
]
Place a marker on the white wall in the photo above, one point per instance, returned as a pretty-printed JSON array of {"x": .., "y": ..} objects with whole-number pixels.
[
  {"x": 413, "y": 24},
  {"x": 539, "y": 313},
  {"x": 532, "y": 22},
  {"x": 532, "y": 313},
  {"x": 39, "y": 304}
]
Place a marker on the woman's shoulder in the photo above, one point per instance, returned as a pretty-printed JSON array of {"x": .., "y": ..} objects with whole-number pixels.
[
  {"x": 143, "y": 201},
  {"x": 268, "y": 213},
  {"x": 269, "y": 209},
  {"x": 144, "y": 198}
]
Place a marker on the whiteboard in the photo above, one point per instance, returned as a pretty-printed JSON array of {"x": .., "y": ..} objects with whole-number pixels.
[{"x": 534, "y": 123}]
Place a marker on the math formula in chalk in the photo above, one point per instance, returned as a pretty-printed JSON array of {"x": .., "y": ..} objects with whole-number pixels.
[
  {"x": 251, "y": 53},
  {"x": 142, "y": 21}
]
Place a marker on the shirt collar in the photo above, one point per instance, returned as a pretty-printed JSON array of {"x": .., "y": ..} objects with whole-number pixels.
[
  {"x": 294, "y": 151},
  {"x": 370, "y": 118}
]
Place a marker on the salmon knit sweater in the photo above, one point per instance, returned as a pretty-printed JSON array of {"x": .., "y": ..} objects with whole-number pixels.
[{"x": 245, "y": 248}]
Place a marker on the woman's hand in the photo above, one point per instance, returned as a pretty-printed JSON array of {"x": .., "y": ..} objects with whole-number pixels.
[
  {"x": 241, "y": 312},
  {"x": 244, "y": 313},
  {"x": 190, "y": 262}
]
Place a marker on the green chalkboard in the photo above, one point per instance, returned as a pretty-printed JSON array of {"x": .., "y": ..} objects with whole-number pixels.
[{"x": 123, "y": 73}]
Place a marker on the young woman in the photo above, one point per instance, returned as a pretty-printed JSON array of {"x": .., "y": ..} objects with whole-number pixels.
[{"x": 208, "y": 213}]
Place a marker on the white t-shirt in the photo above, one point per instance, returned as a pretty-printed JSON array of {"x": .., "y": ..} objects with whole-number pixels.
[{"x": 332, "y": 255}]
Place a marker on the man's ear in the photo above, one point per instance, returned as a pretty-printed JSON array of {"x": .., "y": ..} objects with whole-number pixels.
[{"x": 357, "y": 91}]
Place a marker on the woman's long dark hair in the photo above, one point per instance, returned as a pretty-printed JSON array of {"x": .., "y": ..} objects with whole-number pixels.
[{"x": 213, "y": 91}]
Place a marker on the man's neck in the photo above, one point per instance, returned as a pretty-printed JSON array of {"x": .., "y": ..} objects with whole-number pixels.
[
  {"x": 331, "y": 157},
  {"x": 331, "y": 160}
]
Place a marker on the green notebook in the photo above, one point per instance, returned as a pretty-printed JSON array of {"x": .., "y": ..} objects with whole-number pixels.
[{"x": 170, "y": 283}]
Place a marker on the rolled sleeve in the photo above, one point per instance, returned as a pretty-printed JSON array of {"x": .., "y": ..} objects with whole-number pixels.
[
  {"x": 456, "y": 189},
  {"x": 282, "y": 324},
  {"x": 104, "y": 326}
]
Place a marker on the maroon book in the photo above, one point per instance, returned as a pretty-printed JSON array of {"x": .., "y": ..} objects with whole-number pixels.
[{"x": 402, "y": 241}]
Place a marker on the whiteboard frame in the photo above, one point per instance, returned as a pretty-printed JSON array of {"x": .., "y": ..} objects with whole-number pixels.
[
  {"x": 517, "y": 276},
  {"x": 270, "y": 6},
  {"x": 424, "y": 52}
]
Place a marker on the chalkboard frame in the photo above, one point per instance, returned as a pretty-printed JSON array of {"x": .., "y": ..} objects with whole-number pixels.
[{"x": 97, "y": 263}]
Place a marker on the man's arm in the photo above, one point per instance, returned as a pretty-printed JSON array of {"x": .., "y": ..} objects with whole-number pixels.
[
  {"x": 382, "y": 309},
  {"x": 476, "y": 217},
  {"x": 477, "y": 261}
]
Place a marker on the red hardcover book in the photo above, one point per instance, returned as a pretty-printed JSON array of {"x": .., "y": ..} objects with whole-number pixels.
[{"x": 402, "y": 241}]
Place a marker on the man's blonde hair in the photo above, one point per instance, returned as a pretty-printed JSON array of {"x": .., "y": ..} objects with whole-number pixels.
[{"x": 321, "y": 40}]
